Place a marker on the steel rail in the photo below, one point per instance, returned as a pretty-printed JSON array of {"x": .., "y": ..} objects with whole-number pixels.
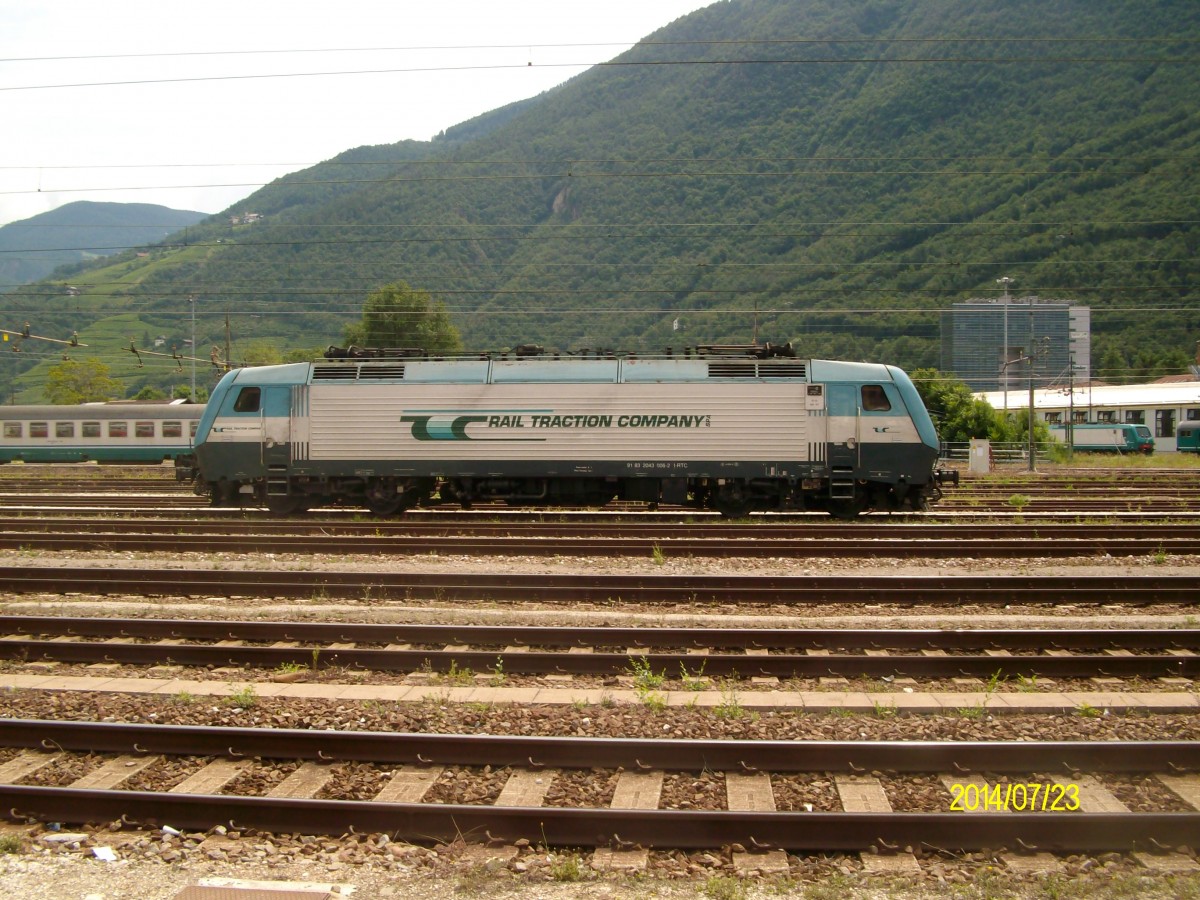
[
  {"x": 1046, "y": 831},
  {"x": 1173, "y": 506},
  {"x": 898, "y": 545},
  {"x": 532, "y": 662},
  {"x": 900, "y": 528},
  {"x": 635, "y": 754},
  {"x": 756, "y": 589},
  {"x": 599, "y": 636},
  {"x": 1060, "y": 832}
]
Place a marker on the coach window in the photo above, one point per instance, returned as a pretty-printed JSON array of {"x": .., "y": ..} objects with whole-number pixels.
[
  {"x": 1054, "y": 418},
  {"x": 192, "y": 428},
  {"x": 143, "y": 429},
  {"x": 172, "y": 429},
  {"x": 874, "y": 399},
  {"x": 13, "y": 430},
  {"x": 91, "y": 429},
  {"x": 1192, "y": 414},
  {"x": 248, "y": 400},
  {"x": 118, "y": 429},
  {"x": 64, "y": 429},
  {"x": 1135, "y": 417},
  {"x": 39, "y": 429}
]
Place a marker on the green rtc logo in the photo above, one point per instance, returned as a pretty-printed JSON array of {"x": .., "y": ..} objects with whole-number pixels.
[{"x": 451, "y": 425}]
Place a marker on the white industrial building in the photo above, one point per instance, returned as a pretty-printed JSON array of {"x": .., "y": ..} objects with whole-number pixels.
[{"x": 1161, "y": 405}]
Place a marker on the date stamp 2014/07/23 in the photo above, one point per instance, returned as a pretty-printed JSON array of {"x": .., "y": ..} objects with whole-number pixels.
[{"x": 1016, "y": 797}]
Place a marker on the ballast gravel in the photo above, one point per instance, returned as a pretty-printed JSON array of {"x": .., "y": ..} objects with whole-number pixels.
[{"x": 156, "y": 864}]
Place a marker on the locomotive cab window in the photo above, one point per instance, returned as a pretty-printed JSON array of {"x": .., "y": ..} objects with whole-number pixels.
[
  {"x": 875, "y": 399},
  {"x": 248, "y": 400}
]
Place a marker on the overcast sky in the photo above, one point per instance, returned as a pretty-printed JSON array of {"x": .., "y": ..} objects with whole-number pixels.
[{"x": 157, "y": 108}]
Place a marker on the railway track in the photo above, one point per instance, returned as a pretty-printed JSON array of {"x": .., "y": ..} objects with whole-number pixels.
[
  {"x": 409, "y": 765},
  {"x": 1150, "y": 491},
  {"x": 739, "y": 652},
  {"x": 173, "y": 536},
  {"x": 798, "y": 590}
]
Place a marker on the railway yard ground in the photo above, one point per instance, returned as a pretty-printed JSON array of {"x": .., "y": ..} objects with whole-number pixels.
[{"x": 201, "y": 703}]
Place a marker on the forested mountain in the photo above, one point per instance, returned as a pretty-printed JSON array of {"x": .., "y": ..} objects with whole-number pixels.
[
  {"x": 33, "y": 248},
  {"x": 818, "y": 171}
]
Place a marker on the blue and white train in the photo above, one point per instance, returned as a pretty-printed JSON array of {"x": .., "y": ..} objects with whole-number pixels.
[
  {"x": 101, "y": 432},
  {"x": 731, "y": 431}
]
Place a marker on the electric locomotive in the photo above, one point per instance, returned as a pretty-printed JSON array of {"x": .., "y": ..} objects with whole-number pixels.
[{"x": 732, "y": 429}]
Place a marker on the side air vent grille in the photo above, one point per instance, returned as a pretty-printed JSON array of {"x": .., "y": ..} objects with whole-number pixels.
[
  {"x": 756, "y": 370},
  {"x": 335, "y": 373},
  {"x": 394, "y": 372},
  {"x": 352, "y": 372},
  {"x": 782, "y": 370},
  {"x": 731, "y": 370}
]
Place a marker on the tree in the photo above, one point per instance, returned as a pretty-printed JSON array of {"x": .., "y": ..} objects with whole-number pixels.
[
  {"x": 957, "y": 413},
  {"x": 303, "y": 354},
  {"x": 150, "y": 394},
  {"x": 397, "y": 315},
  {"x": 81, "y": 381},
  {"x": 184, "y": 392},
  {"x": 261, "y": 353}
]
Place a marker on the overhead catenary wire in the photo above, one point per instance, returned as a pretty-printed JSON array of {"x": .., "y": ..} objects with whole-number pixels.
[
  {"x": 624, "y": 63},
  {"x": 720, "y": 42},
  {"x": 515, "y": 293}
]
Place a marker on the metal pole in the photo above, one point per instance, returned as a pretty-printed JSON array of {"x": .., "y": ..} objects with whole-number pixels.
[
  {"x": 1006, "y": 281},
  {"x": 192, "y": 303},
  {"x": 1071, "y": 407},
  {"x": 1032, "y": 444}
]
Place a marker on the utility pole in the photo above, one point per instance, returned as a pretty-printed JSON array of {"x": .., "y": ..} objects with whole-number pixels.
[
  {"x": 1006, "y": 281},
  {"x": 192, "y": 304},
  {"x": 1032, "y": 357},
  {"x": 1070, "y": 407}
]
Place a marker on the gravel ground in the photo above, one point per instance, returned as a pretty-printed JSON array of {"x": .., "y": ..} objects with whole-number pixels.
[
  {"x": 156, "y": 866},
  {"x": 607, "y": 565},
  {"x": 619, "y": 720}
]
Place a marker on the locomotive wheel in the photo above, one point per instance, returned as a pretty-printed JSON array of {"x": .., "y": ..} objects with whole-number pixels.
[
  {"x": 386, "y": 497},
  {"x": 848, "y": 509},
  {"x": 731, "y": 502},
  {"x": 382, "y": 498},
  {"x": 286, "y": 506},
  {"x": 384, "y": 506},
  {"x": 223, "y": 493}
]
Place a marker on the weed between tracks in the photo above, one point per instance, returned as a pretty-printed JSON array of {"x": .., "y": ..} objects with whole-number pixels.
[
  {"x": 243, "y": 698},
  {"x": 725, "y": 887}
]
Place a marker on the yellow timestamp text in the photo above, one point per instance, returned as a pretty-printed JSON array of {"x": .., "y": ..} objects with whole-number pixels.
[{"x": 1018, "y": 797}]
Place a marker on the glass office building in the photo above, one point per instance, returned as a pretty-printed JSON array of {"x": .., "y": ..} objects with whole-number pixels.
[{"x": 986, "y": 342}]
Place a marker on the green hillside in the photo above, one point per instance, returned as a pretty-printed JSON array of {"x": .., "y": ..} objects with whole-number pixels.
[
  {"x": 828, "y": 173},
  {"x": 33, "y": 248}
]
